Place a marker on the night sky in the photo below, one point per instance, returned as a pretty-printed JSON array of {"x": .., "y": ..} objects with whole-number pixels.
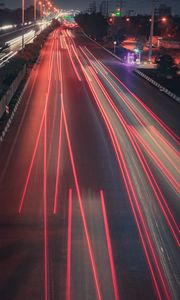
[{"x": 140, "y": 6}]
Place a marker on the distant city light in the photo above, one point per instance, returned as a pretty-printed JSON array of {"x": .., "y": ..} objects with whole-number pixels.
[{"x": 118, "y": 14}]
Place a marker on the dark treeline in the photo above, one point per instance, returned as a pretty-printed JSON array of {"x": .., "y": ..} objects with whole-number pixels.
[
  {"x": 8, "y": 16},
  {"x": 117, "y": 28},
  {"x": 140, "y": 25},
  {"x": 95, "y": 25}
]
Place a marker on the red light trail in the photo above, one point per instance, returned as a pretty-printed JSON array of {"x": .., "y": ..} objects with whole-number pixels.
[
  {"x": 45, "y": 211},
  {"x": 68, "y": 278},
  {"x": 153, "y": 115},
  {"x": 143, "y": 126},
  {"x": 132, "y": 195},
  {"x": 90, "y": 250},
  {"x": 128, "y": 129},
  {"x": 38, "y": 136},
  {"x": 126, "y": 119},
  {"x": 116, "y": 292},
  {"x": 58, "y": 165}
]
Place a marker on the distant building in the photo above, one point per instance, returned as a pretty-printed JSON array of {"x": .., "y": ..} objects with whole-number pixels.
[
  {"x": 164, "y": 11},
  {"x": 92, "y": 7},
  {"x": 103, "y": 8},
  {"x": 108, "y": 7}
]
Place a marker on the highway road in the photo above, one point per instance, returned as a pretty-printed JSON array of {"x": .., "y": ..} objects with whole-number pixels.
[
  {"x": 15, "y": 39},
  {"x": 89, "y": 182}
]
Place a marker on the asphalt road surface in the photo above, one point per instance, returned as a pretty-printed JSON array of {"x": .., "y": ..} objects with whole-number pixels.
[{"x": 89, "y": 182}]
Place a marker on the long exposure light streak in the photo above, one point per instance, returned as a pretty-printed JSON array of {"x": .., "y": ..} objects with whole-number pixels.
[
  {"x": 69, "y": 236},
  {"x": 134, "y": 113},
  {"x": 166, "y": 144},
  {"x": 59, "y": 148},
  {"x": 114, "y": 143},
  {"x": 164, "y": 170},
  {"x": 145, "y": 166},
  {"x": 153, "y": 115},
  {"x": 90, "y": 250},
  {"x": 132, "y": 195},
  {"x": 73, "y": 65},
  {"x": 45, "y": 210},
  {"x": 108, "y": 239},
  {"x": 38, "y": 136},
  {"x": 58, "y": 165},
  {"x": 128, "y": 129}
]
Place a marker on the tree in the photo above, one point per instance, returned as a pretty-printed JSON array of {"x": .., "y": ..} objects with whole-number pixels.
[
  {"x": 94, "y": 25},
  {"x": 166, "y": 66}
]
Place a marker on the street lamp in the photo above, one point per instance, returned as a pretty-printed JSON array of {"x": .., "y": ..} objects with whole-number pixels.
[
  {"x": 115, "y": 43},
  {"x": 164, "y": 20},
  {"x": 151, "y": 31},
  {"x": 107, "y": 8}
]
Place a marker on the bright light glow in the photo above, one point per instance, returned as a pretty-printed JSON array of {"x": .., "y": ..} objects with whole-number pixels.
[
  {"x": 6, "y": 27},
  {"x": 164, "y": 19}
]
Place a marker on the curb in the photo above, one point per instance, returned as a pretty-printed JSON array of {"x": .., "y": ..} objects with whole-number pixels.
[
  {"x": 8, "y": 124},
  {"x": 161, "y": 88},
  {"x": 117, "y": 57}
]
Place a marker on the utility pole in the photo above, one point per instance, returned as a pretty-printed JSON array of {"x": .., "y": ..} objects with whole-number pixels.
[
  {"x": 121, "y": 6},
  {"x": 35, "y": 11},
  {"x": 151, "y": 31},
  {"x": 107, "y": 8},
  {"x": 22, "y": 24}
]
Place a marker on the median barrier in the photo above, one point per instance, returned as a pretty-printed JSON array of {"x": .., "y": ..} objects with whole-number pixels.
[{"x": 155, "y": 83}]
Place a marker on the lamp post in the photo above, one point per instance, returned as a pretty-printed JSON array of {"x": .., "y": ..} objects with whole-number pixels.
[
  {"x": 107, "y": 8},
  {"x": 151, "y": 31},
  {"x": 115, "y": 43},
  {"x": 22, "y": 24},
  {"x": 163, "y": 21},
  {"x": 41, "y": 12}
]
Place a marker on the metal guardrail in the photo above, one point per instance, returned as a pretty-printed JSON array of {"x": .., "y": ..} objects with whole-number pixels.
[{"x": 6, "y": 99}]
